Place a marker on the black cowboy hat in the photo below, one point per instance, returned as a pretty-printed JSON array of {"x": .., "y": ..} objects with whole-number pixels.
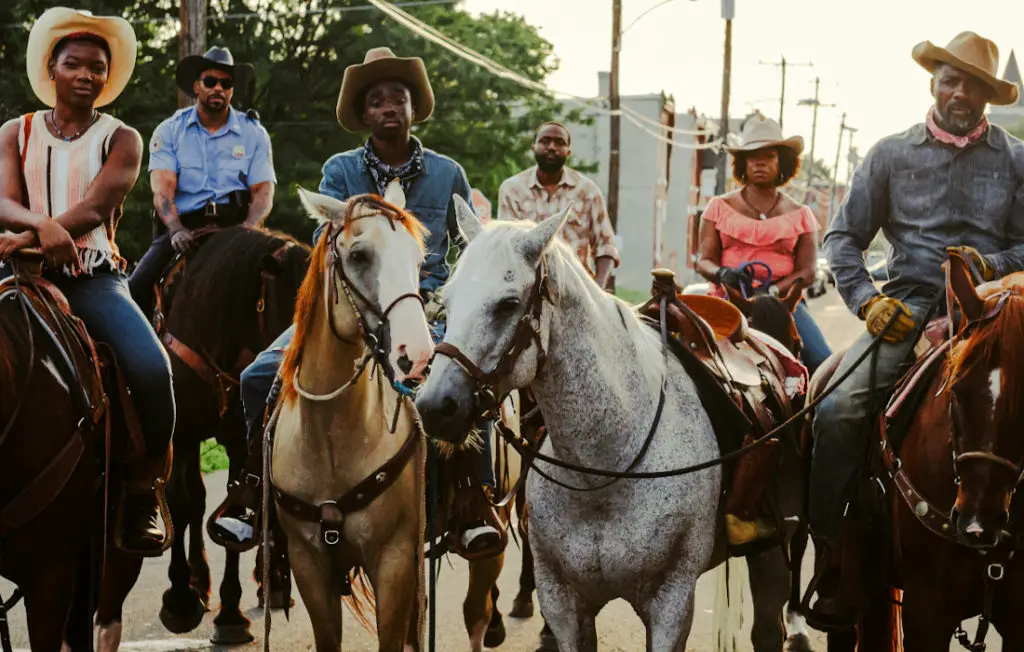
[{"x": 191, "y": 66}]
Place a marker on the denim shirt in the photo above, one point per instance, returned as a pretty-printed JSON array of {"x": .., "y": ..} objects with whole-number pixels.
[
  {"x": 925, "y": 196},
  {"x": 429, "y": 198}
]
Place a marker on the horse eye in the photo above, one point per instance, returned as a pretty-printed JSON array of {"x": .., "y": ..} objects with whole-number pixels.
[
  {"x": 508, "y": 305},
  {"x": 359, "y": 256}
]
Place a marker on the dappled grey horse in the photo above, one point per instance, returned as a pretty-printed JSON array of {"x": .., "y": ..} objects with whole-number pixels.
[{"x": 521, "y": 306}]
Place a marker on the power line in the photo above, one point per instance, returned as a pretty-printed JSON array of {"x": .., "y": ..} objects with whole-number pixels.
[{"x": 170, "y": 18}]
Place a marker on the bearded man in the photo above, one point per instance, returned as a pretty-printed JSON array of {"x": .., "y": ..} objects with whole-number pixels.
[{"x": 548, "y": 187}]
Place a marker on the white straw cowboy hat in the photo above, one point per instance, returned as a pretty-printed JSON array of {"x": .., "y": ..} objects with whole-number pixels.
[
  {"x": 760, "y": 132},
  {"x": 381, "y": 63},
  {"x": 59, "y": 22},
  {"x": 973, "y": 55}
]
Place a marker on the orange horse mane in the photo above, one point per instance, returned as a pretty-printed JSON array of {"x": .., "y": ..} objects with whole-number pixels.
[
  {"x": 311, "y": 293},
  {"x": 996, "y": 343}
]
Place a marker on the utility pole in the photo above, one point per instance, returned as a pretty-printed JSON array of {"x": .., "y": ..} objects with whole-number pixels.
[
  {"x": 843, "y": 128},
  {"x": 782, "y": 96},
  {"x": 728, "y": 11},
  {"x": 192, "y": 38},
  {"x": 616, "y": 125},
  {"x": 816, "y": 103}
]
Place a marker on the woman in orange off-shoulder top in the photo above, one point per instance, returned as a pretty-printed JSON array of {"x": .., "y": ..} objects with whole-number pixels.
[{"x": 758, "y": 223}]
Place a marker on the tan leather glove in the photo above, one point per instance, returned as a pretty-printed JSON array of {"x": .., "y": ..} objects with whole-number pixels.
[
  {"x": 987, "y": 271},
  {"x": 877, "y": 312}
]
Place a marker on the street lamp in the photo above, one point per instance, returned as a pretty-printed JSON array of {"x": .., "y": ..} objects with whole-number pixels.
[{"x": 637, "y": 19}]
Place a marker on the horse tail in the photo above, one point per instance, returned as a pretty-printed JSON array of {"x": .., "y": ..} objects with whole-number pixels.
[
  {"x": 881, "y": 627},
  {"x": 362, "y": 602},
  {"x": 730, "y": 596}
]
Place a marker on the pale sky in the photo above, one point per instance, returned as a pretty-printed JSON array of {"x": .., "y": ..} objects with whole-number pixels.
[{"x": 860, "y": 49}]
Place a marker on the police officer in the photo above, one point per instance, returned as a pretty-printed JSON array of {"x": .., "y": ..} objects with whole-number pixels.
[{"x": 209, "y": 164}]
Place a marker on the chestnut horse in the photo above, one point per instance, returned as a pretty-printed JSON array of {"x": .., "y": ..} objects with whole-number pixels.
[
  {"x": 949, "y": 489},
  {"x": 235, "y": 295},
  {"x": 51, "y": 472}
]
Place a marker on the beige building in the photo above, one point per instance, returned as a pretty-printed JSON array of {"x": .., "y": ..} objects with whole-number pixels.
[{"x": 1011, "y": 116}]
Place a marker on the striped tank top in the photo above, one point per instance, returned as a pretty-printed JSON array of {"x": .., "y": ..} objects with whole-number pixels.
[{"x": 58, "y": 174}]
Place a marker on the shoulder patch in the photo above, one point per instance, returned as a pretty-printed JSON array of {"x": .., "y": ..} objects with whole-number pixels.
[{"x": 155, "y": 143}]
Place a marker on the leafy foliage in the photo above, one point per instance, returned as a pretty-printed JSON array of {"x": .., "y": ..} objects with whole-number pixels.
[{"x": 300, "y": 53}]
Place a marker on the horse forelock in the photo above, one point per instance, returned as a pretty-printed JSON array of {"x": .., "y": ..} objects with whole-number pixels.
[
  {"x": 371, "y": 205},
  {"x": 995, "y": 344}
]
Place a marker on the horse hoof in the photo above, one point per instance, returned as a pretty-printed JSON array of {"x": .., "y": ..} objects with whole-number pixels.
[
  {"x": 181, "y": 618},
  {"x": 799, "y": 643},
  {"x": 233, "y": 634},
  {"x": 495, "y": 634},
  {"x": 521, "y": 608}
]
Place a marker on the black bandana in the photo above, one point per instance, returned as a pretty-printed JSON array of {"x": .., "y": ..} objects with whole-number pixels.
[{"x": 383, "y": 173}]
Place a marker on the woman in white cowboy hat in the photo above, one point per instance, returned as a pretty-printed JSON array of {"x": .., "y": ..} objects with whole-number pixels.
[
  {"x": 760, "y": 223},
  {"x": 64, "y": 173}
]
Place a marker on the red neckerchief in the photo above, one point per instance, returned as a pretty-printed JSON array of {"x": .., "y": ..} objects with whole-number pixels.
[{"x": 944, "y": 136}]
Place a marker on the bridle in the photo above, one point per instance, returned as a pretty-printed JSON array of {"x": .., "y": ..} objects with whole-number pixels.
[
  {"x": 339, "y": 283},
  {"x": 527, "y": 332}
]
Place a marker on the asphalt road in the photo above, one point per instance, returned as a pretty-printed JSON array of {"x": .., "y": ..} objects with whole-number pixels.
[{"x": 619, "y": 628}]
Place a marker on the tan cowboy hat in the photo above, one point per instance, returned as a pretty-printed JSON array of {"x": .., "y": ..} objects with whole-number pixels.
[
  {"x": 760, "y": 132},
  {"x": 973, "y": 55},
  {"x": 59, "y": 22},
  {"x": 381, "y": 63}
]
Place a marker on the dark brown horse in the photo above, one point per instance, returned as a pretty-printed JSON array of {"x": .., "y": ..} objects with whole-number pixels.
[
  {"x": 55, "y": 424},
  {"x": 233, "y": 297}
]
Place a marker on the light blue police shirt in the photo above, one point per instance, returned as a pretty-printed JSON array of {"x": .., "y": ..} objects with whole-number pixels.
[{"x": 209, "y": 166}]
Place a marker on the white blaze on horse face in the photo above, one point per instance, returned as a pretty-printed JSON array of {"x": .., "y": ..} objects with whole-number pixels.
[
  {"x": 995, "y": 384},
  {"x": 400, "y": 258}
]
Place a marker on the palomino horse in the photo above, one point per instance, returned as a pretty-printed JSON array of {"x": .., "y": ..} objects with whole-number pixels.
[
  {"x": 521, "y": 304},
  {"x": 53, "y": 412},
  {"x": 228, "y": 302},
  {"x": 950, "y": 486},
  {"x": 348, "y": 461}
]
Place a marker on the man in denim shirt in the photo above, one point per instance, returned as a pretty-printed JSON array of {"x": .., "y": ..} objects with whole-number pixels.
[
  {"x": 384, "y": 95},
  {"x": 952, "y": 182}
]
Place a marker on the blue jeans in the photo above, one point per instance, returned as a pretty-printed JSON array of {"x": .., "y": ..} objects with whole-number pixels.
[
  {"x": 815, "y": 349},
  {"x": 842, "y": 425},
  {"x": 104, "y": 303},
  {"x": 258, "y": 379}
]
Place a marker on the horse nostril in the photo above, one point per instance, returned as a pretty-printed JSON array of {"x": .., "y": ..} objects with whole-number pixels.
[{"x": 449, "y": 406}]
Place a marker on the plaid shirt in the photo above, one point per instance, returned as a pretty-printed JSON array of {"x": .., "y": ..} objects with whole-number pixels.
[
  {"x": 588, "y": 230},
  {"x": 383, "y": 173}
]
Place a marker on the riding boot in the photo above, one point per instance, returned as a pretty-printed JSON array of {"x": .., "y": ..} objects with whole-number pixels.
[
  {"x": 752, "y": 478},
  {"x": 477, "y": 529},
  {"x": 831, "y": 611},
  {"x": 138, "y": 531},
  {"x": 234, "y": 525}
]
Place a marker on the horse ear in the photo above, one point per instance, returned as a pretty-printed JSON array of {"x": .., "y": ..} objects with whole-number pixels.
[
  {"x": 321, "y": 207},
  {"x": 394, "y": 194},
  {"x": 539, "y": 237},
  {"x": 469, "y": 224},
  {"x": 792, "y": 298},
  {"x": 737, "y": 299},
  {"x": 959, "y": 284}
]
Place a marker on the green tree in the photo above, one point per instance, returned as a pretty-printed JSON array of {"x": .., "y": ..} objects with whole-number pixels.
[{"x": 300, "y": 53}]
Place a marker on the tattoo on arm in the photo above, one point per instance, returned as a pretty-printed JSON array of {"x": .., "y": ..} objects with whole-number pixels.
[{"x": 260, "y": 204}]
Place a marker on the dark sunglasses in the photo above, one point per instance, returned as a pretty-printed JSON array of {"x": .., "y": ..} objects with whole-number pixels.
[{"x": 211, "y": 82}]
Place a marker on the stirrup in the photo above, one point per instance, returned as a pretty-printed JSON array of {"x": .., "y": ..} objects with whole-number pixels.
[
  {"x": 163, "y": 513},
  {"x": 236, "y": 498}
]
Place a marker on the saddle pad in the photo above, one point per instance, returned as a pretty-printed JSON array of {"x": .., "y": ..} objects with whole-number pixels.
[{"x": 909, "y": 393}]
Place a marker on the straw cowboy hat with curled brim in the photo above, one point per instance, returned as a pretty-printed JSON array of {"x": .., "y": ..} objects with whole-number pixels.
[
  {"x": 972, "y": 54},
  {"x": 60, "y": 22},
  {"x": 190, "y": 67},
  {"x": 760, "y": 132},
  {"x": 379, "y": 64}
]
